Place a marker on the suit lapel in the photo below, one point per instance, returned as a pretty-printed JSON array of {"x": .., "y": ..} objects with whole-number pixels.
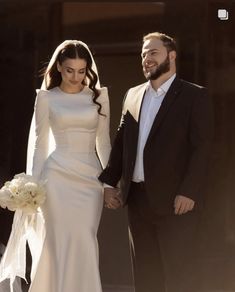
[
  {"x": 135, "y": 102},
  {"x": 168, "y": 100}
]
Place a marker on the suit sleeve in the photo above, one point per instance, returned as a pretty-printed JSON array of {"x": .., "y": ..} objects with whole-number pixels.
[
  {"x": 112, "y": 173},
  {"x": 201, "y": 134}
]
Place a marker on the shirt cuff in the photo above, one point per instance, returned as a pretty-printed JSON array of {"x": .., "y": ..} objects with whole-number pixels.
[{"x": 107, "y": 186}]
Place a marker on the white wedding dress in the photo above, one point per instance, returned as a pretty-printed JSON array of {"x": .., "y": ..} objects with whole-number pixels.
[
  {"x": 69, "y": 260},
  {"x": 5, "y": 285}
]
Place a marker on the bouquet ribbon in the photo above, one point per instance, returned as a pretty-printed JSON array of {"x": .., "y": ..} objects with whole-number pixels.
[{"x": 25, "y": 228}]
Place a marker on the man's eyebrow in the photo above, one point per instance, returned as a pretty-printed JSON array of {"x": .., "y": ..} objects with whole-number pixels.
[
  {"x": 150, "y": 50},
  {"x": 147, "y": 51}
]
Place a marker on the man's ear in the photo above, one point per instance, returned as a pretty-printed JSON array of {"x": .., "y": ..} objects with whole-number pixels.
[{"x": 172, "y": 55}]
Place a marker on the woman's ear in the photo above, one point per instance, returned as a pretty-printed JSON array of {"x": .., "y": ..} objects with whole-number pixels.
[{"x": 58, "y": 66}]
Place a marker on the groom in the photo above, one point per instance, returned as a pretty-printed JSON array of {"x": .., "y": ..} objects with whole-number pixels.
[{"x": 160, "y": 155}]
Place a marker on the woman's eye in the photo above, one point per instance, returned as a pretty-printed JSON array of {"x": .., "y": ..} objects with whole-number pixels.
[
  {"x": 69, "y": 71},
  {"x": 82, "y": 71}
]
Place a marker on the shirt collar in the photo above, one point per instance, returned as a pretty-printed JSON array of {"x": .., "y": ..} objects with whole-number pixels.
[{"x": 162, "y": 89}]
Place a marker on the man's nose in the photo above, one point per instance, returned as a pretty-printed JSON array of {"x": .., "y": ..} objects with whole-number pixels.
[{"x": 146, "y": 59}]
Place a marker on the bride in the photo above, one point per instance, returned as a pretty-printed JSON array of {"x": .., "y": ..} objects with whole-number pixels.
[
  {"x": 72, "y": 110},
  {"x": 78, "y": 114}
]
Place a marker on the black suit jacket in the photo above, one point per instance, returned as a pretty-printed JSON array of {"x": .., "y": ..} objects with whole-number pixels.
[{"x": 177, "y": 149}]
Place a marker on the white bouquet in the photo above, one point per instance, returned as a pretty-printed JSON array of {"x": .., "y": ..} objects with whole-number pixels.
[{"x": 23, "y": 193}]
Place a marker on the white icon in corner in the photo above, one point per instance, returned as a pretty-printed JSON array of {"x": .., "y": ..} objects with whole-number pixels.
[{"x": 222, "y": 14}]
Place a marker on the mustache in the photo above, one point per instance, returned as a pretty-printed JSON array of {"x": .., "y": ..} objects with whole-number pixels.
[{"x": 161, "y": 68}]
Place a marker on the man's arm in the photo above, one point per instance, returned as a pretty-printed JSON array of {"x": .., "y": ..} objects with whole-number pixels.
[
  {"x": 201, "y": 136},
  {"x": 113, "y": 171}
]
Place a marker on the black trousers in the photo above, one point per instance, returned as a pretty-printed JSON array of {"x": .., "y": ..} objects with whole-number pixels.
[{"x": 163, "y": 248}]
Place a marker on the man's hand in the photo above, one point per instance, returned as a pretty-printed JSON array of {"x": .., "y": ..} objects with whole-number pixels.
[
  {"x": 112, "y": 198},
  {"x": 183, "y": 204}
]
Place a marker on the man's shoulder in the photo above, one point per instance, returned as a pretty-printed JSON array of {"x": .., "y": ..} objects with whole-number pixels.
[
  {"x": 191, "y": 86},
  {"x": 134, "y": 97},
  {"x": 138, "y": 87},
  {"x": 190, "y": 90}
]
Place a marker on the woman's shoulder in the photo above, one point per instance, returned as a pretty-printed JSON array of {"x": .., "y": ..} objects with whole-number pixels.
[
  {"x": 103, "y": 93},
  {"x": 43, "y": 96},
  {"x": 103, "y": 97},
  {"x": 45, "y": 93}
]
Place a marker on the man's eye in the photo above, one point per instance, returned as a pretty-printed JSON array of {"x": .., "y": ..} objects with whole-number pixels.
[
  {"x": 82, "y": 71},
  {"x": 69, "y": 71}
]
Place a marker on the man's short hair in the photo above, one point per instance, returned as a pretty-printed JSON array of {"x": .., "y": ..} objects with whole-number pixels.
[{"x": 168, "y": 41}]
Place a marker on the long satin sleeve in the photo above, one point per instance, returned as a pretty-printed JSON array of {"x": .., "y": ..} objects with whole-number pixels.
[
  {"x": 42, "y": 133},
  {"x": 103, "y": 145}
]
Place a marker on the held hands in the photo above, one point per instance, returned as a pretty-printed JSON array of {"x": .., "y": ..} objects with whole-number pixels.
[
  {"x": 112, "y": 198},
  {"x": 183, "y": 204}
]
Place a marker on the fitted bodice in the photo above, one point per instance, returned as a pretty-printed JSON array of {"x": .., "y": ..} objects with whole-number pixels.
[
  {"x": 76, "y": 126},
  {"x": 78, "y": 140},
  {"x": 73, "y": 120}
]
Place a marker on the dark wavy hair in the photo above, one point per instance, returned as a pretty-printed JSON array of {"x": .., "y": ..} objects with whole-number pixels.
[{"x": 73, "y": 50}]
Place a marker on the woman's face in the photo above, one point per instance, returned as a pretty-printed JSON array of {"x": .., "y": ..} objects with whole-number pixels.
[{"x": 73, "y": 72}]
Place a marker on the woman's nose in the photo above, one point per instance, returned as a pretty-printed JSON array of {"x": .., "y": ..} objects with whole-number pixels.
[{"x": 75, "y": 76}]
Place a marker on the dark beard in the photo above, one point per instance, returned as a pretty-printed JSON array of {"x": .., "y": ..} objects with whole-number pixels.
[{"x": 164, "y": 67}]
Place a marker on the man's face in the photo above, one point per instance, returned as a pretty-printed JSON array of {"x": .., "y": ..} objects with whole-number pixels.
[{"x": 155, "y": 59}]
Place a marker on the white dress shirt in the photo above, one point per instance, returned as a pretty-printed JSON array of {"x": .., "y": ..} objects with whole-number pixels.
[{"x": 150, "y": 107}]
